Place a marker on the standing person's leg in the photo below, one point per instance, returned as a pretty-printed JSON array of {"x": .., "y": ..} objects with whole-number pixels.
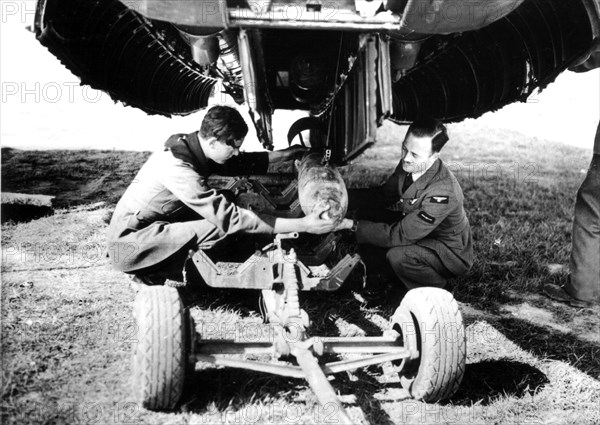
[
  {"x": 583, "y": 285},
  {"x": 584, "y": 282}
]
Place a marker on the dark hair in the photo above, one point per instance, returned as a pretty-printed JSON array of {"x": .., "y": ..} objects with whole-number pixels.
[
  {"x": 430, "y": 127},
  {"x": 225, "y": 124}
]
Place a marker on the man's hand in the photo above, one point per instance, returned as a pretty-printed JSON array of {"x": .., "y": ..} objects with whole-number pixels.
[
  {"x": 287, "y": 154},
  {"x": 346, "y": 224},
  {"x": 314, "y": 223}
]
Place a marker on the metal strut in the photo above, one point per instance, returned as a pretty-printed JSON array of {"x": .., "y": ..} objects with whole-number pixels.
[
  {"x": 299, "y": 346},
  {"x": 319, "y": 383}
]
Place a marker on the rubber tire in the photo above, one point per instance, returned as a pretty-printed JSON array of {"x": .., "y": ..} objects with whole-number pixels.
[
  {"x": 430, "y": 321},
  {"x": 160, "y": 351}
]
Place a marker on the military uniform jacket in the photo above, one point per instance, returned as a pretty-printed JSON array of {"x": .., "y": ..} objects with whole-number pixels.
[
  {"x": 432, "y": 214},
  {"x": 171, "y": 187}
]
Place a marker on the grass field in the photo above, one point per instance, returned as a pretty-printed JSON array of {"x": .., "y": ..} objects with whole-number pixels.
[{"x": 67, "y": 327}]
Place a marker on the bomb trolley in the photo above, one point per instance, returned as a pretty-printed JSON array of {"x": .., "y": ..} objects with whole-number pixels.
[{"x": 425, "y": 339}]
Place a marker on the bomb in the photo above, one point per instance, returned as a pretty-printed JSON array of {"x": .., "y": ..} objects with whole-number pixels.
[{"x": 321, "y": 184}]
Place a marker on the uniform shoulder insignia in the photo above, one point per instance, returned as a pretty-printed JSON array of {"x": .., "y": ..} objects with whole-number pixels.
[
  {"x": 439, "y": 199},
  {"x": 426, "y": 217}
]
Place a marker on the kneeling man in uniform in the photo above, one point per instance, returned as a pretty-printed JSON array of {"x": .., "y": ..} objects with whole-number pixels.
[
  {"x": 169, "y": 208},
  {"x": 415, "y": 223}
]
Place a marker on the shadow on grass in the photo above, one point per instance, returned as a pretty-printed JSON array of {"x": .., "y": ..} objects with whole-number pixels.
[
  {"x": 231, "y": 392},
  {"x": 548, "y": 343},
  {"x": 228, "y": 389},
  {"x": 486, "y": 381},
  {"x": 23, "y": 213},
  {"x": 543, "y": 341},
  {"x": 364, "y": 389}
]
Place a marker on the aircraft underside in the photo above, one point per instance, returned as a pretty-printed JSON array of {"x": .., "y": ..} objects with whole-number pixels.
[{"x": 351, "y": 64}]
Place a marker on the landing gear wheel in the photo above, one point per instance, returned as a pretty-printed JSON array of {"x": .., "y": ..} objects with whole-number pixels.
[
  {"x": 160, "y": 356},
  {"x": 431, "y": 325}
]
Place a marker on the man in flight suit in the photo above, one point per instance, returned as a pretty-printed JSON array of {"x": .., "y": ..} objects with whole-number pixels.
[
  {"x": 169, "y": 208},
  {"x": 416, "y": 220}
]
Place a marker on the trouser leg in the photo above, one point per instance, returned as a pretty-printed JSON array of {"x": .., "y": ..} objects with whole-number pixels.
[
  {"x": 375, "y": 261},
  {"x": 584, "y": 282},
  {"x": 207, "y": 234},
  {"x": 164, "y": 247},
  {"x": 171, "y": 267},
  {"x": 417, "y": 266},
  {"x": 373, "y": 256}
]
